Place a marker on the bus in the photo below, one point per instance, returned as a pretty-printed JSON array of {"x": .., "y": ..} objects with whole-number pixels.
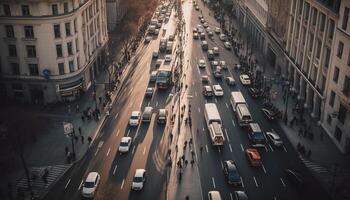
[{"x": 165, "y": 77}]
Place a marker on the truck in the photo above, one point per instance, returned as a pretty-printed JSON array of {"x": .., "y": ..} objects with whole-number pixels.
[
  {"x": 169, "y": 47},
  {"x": 214, "y": 124},
  {"x": 240, "y": 107},
  {"x": 163, "y": 44},
  {"x": 237, "y": 98},
  {"x": 165, "y": 77}
]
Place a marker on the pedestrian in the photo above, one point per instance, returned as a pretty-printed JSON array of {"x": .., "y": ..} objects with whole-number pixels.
[
  {"x": 201, "y": 149},
  {"x": 89, "y": 139},
  {"x": 82, "y": 118},
  {"x": 171, "y": 137},
  {"x": 66, "y": 150},
  {"x": 176, "y": 148},
  {"x": 185, "y": 143},
  {"x": 79, "y": 129},
  {"x": 190, "y": 142},
  {"x": 77, "y": 109},
  {"x": 82, "y": 139},
  {"x": 186, "y": 162},
  {"x": 192, "y": 153},
  {"x": 76, "y": 139},
  {"x": 100, "y": 99},
  {"x": 192, "y": 162}
]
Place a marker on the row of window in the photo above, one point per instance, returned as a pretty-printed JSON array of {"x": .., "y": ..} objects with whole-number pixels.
[
  {"x": 7, "y": 10},
  {"x": 31, "y": 51},
  {"x": 341, "y": 115},
  {"x": 67, "y": 26},
  {"x": 28, "y": 31},
  {"x": 340, "y": 52},
  {"x": 59, "y": 49}
]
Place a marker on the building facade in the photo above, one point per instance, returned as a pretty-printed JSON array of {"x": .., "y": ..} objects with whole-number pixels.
[
  {"x": 116, "y": 10},
  {"x": 336, "y": 120},
  {"x": 51, "y": 50}
]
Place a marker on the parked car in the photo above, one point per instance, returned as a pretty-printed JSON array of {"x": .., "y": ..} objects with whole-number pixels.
[
  {"x": 148, "y": 39},
  {"x": 240, "y": 195},
  {"x": 231, "y": 173},
  {"x": 162, "y": 116},
  {"x": 222, "y": 37},
  {"x": 210, "y": 54},
  {"x": 274, "y": 138},
  {"x": 245, "y": 80},
  {"x": 195, "y": 36},
  {"x": 230, "y": 81},
  {"x": 216, "y": 51},
  {"x": 207, "y": 91},
  {"x": 139, "y": 179},
  {"x": 204, "y": 45},
  {"x": 135, "y": 118},
  {"x": 217, "y": 30},
  {"x": 223, "y": 64},
  {"x": 155, "y": 54},
  {"x": 205, "y": 25},
  {"x": 270, "y": 114},
  {"x": 253, "y": 157},
  {"x": 218, "y": 91},
  {"x": 147, "y": 114},
  {"x": 90, "y": 185},
  {"x": 210, "y": 33},
  {"x": 202, "y": 36},
  {"x": 214, "y": 63},
  {"x": 255, "y": 92},
  {"x": 214, "y": 195},
  {"x": 205, "y": 79},
  {"x": 153, "y": 76},
  {"x": 125, "y": 144},
  {"x": 167, "y": 58}
]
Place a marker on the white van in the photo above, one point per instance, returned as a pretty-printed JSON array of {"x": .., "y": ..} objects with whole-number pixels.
[
  {"x": 237, "y": 98},
  {"x": 243, "y": 115},
  {"x": 214, "y": 124},
  {"x": 147, "y": 114}
]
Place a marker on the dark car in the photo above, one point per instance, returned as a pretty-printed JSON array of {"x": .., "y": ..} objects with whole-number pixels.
[
  {"x": 271, "y": 114},
  {"x": 149, "y": 92},
  {"x": 231, "y": 173},
  {"x": 255, "y": 92},
  {"x": 295, "y": 178}
]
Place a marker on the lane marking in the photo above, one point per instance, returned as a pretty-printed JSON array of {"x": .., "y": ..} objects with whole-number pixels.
[
  {"x": 222, "y": 165},
  {"x": 115, "y": 169},
  {"x": 285, "y": 149},
  {"x": 242, "y": 147},
  {"x": 81, "y": 184},
  {"x": 263, "y": 167},
  {"x": 115, "y": 117},
  {"x": 212, "y": 179},
  {"x": 144, "y": 151},
  {"x": 199, "y": 109},
  {"x": 231, "y": 197},
  {"x": 117, "y": 133},
  {"x": 216, "y": 101},
  {"x": 230, "y": 147},
  {"x": 108, "y": 151},
  {"x": 226, "y": 105},
  {"x": 156, "y": 103},
  {"x": 219, "y": 149},
  {"x": 256, "y": 183},
  {"x": 206, "y": 147},
  {"x": 65, "y": 187},
  {"x": 284, "y": 185},
  {"x": 228, "y": 139},
  {"x": 127, "y": 134},
  {"x": 121, "y": 187},
  {"x": 195, "y": 93},
  {"x": 203, "y": 129},
  {"x": 271, "y": 147},
  {"x": 233, "y": 123},
  {"x": 242, "y": 182}
]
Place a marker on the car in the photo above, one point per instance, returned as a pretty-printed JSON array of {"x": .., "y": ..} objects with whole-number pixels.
[
  {"x": 217, "y": 30},
  {"x": 208, "y": 29},
  {"x": 214, "y": 195},
  {"x": 228, "y": 45},
  {"x": 171, "y": 37},
  {"x": 274, "y": 138},
  {"x": 245, "y": 80},
  {"x": 200, "y": 16},
  {"x": 155, "y": 54},
  {"x": 217, "y": 73},
  {"x": 255, "y": 92},
  {"x": 147, "y": 114},
  {"x": 223, "y": 64},
  {"x": 231, "y": 173},
  {"x": 90, "y": 185},
  {"x": 230, "y": 81},
  {"x": 202, "y": 20},
  {"x": 202, "y": 36},
  {"x": 195, "y": 36},
  {"x": 149, "y": 92},
  {"x": 153, "y": 76},
  {"x": 135, "y": 118},
  {"x": 139, "y": 179},
  {"x": 199, "y": 27},
  {"x": 214, "y": 63},
  {"x": 167, "y": 58},
  {"x": 148, "y": 39},
  {"x": 201, "y": 63},
  {"x": 218, "y": 91},
  {"x": 210, "y": 33},
  {"x": 240, "y": 195},
  {"x": 270, "y": 114},
  {"x": 216, "y": 51},
  {"x": 159, "y": 62},
  {"x": 194, "y": 30},
  {"x": 237, "y": 66},
  {"x": 125, "y": 144},
  {"x": 156, "y": 31},
  {"x": 210, "y": 54},
  {"x": 197, "y": 8},
  {"x": 162, "y": 116},
  {"x": 222, "y": 37},
  {"x": 253, "y": 157},
  {"x": 204, "y": 45},
  {"x": 205, "y": 79},
  {"x": 205, "y": 25},
  {"x": 295, "y": 178},
  {"x": 207, "y": 91}
]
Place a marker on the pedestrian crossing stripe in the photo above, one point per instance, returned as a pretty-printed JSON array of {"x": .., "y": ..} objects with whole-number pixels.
[{"x": 314, "y": 167}]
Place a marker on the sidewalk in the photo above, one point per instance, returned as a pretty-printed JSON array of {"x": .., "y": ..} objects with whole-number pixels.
[{"x": 327, "y": 163}]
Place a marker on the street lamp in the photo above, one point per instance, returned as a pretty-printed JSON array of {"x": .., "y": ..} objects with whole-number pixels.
[{"x": 289, "y": 89}]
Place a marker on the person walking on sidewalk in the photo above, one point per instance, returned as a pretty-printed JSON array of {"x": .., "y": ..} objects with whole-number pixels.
[
  {"x": 89, "y": 139},
  {"x": 79, "y": 129},
  {"x": 82, "y": 139},
  {"x": 66, "y": 150}
]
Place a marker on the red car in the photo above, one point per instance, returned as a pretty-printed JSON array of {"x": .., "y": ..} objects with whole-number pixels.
[{"x": 253, "y": 157}]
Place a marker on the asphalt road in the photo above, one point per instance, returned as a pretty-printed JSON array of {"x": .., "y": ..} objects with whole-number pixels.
[{"x": 151, "y": 142}]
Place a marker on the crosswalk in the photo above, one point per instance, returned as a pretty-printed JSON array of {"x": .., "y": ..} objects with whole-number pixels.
[
  {"x": 40, "y": 185},
  {"x": 314, "y": 167}
]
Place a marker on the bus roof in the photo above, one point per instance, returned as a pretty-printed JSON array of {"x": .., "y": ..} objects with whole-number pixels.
[
  {"x": 212, "y": 111},
  {"x": 165, "y": 68}
]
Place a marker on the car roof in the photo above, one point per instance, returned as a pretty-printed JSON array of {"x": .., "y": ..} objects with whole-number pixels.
[
  {"x": 154, "y": 72},
  {"x": 215, "y": 194},
  {"x": 244, "y": 76},
  {"x": 254, "y": 153},
  {"x": 91, "y": 177},
  {"x": 231, "y": 164},
  {"x": 125, "y": 139},
  {"x": 274, "y": 135},
  {"x": 162, "y": 111},
  {"x": 217, "y": 86},
  {"x": 139, "y": 172},
  {"x": 135, "y": 113},
  {"x": 207, "y": 87}
]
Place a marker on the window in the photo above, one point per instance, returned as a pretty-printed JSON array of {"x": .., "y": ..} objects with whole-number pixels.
[
  {"x": 7, "y": 10},
  {"x": 67, "y": 25},
  {"x": 331, "y": 29},
  {"x": 329, "y": 119},
  {"x": 54, "y": 9},
  {"x": 336, "y": 74},
  {"x": 15, "y": 68},
  {"x": 31, "y": 52},
  {"x": 9, "y": 31},
  {"x": 28, "y": 31},
  {"x": 25, "y": 10},
  {"x": 338, "y": 133},
  {"x": 33, "y": 69},
  {"x": 61, "y": 68},
  {"x": 346, "y": 86},
  {"x": 318, "y": 51},
  {"x": 65, "y": 7},
  {"x": 340, "y": 49},
  {"x": 71, "y": 66},
  {"x": 75, "y": 25},
  {"x": 12, "y": 50},
  {"x": 331, "y": 98},
  {"x": 59, "y": 50},
  {"x": 76, "y": 44},
  {"x": 57, "y": 30},
  {"x": 69, "y": 48},
  {"x": 342, "y": 114},
  {"x": 314, "y": 16},
  {"x": 345, "y": 18},
  {"x": 78, "y": 63},
  {"x": 327, "y": 57},
  {"x": 322, "y": 21}
]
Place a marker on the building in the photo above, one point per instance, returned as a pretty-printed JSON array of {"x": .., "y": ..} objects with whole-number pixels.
[
  {"x": 116, "y": 10},
  {"x": 51, "y": 50},
  {"x": 336, "y": 118}
]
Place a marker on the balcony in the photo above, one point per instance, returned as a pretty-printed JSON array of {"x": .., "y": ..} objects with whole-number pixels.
[
  {"x": 9, "y": 39},
  {"x": 29, "y": 39}
]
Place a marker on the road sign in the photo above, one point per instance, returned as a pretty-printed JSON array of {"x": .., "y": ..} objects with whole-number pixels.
[{"x": 67, "y": 127}]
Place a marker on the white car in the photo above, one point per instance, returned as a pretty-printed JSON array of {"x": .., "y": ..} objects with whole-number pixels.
[
  {"x": 217, "y": 30},
  {"x": 218, "y": 91},
  {"x": 222, "y": 37},
  {"x": 201, "y": 63},
  {"x": 125, "y": 144},
  {"x": 205, "y": 25},
  {"x": 90, "y": 185},
  {"x": 139, "y": 179},
  {"x": 168, "y": 58},
  {"x": 148, "y": 39},
  {"x": 228, "y": 45},
  {"x": 155, "y": 54},
  {"x": 245, "y": 80},
  {"x": 135, "y": 118},
  {"x": 223, "y": 64},
  {"x": 274, "y": 138}
]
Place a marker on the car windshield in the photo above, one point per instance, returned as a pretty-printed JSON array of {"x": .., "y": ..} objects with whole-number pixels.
[
  {"x": 259, "y": 135},
  {"x": 89, "y": 184},
  {"x": 233, "y": 175},
  {"x": 134, "y": 117},
  {"x": 124, "y": 144},
  {"x": 137, "y": 179}
]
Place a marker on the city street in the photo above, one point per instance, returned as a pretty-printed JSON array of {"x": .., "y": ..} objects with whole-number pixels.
[{"x": 151, "y": 141}]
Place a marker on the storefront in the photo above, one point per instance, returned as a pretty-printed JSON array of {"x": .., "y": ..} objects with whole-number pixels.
[{"x": 70, "y": 91}]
